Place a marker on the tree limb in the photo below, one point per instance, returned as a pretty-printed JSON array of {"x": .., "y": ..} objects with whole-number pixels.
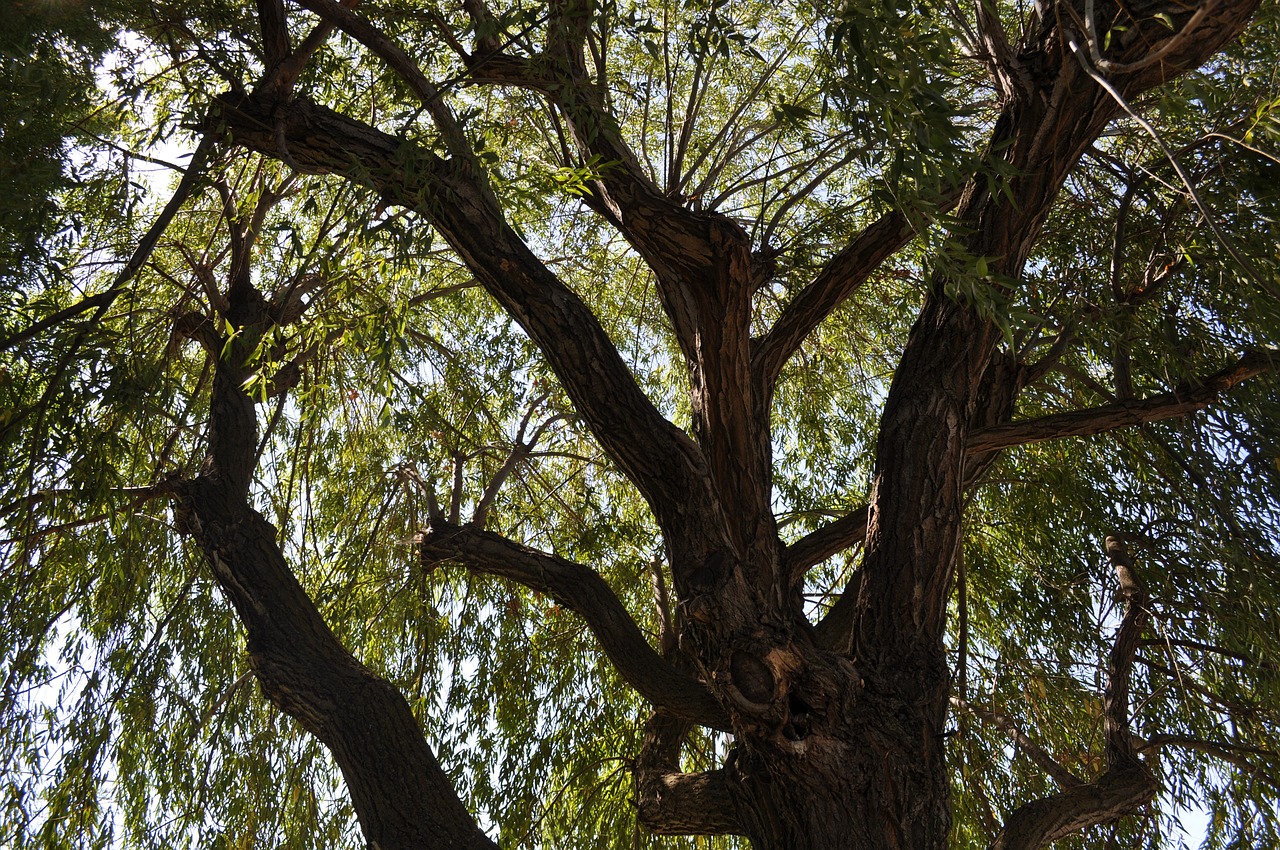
[
  {"x": 281, "y": 76},
  {"x": 1115, "y": 700},
  {"x": 851, "y": 529},
  {"x": 401, "y": 795},
  {"x": 689, "y": 804},
  {"x": 839, "y": 278},
  {"x": 1128, "y": 783},
  {"x": 1035, "y": 143},
  {"x": 1097, "y": 420},
  {"x": 1169, "y": 643},
  {"x": 684, "y": 248},
  {"x": 1065, "y": 778},
  {"x": 385, "y": 48},
  {"x": 821, "y": 543},
  {"x": 584, "y": 592},
  {"x": 275, "y": 31},
  {"x": 702, "y": 261},
  {"x": 1226, "y": 751},
  {"x": 833, "y": 631},
  {"x": 670, "y": 802},
  {"x": 1118, "y": 792},
  {"x": 667, "y": 467}
]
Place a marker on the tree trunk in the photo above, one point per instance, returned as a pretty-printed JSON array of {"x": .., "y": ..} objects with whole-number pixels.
[
  {"x": 863, "y": 770},
  {"x": 840, "y": 729}
]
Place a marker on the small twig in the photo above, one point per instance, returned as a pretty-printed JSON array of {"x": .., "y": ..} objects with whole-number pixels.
[{"x": 103, "y": 300}]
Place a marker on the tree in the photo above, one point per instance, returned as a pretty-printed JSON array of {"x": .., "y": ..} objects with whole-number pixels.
[{"x": 832, "y": 427}]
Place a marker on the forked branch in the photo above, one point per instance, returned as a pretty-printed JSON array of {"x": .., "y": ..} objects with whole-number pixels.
[
  {"x": 851, "y": 529},
  {"x": 665, "y": 464}
]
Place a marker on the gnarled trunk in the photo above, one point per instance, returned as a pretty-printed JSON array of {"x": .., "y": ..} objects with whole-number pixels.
[
  {"x": 840, "y": 727},
  {"x": 862, "y": 768}
]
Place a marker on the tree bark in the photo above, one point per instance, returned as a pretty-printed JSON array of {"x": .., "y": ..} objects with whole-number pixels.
[
  {"x": 839, "y": 736},
  {"x": 401, "y": 795}
]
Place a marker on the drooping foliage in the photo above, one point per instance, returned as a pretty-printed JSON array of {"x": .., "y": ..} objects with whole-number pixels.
[{"x": 179, "y": 208}]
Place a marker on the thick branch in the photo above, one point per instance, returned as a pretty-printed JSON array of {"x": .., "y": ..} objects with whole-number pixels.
[
  {"x": 916, "y": 511},
  {"x": 702, "y": 265},
  {"x": 1127, "y": 784},
  {"x": 275, "y": 31},
  {"x": 664, "y": 463},
  {"x": 584, "y": 592},
  {"x": 689, "y": 804},
  {"x": 851, "y": 529},
  {"x": 839, "y": 279},
  {"x": 832, "y": 538},
  {"x": 400, "y": 793},
  {"x": 1097, "y": 420},
  {"x": 1010, "y": 77},
  {"x": 670, "y": 802},
  {"x": 1120, "y": 791},
  {"x": 981, "y": 449},
  {"x": 681, "y": 246}
]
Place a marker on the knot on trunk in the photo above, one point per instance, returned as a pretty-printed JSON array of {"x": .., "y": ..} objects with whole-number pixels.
[{"x": 752, "y": 678}]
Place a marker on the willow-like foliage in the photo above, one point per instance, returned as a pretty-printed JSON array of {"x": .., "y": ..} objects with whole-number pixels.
[{"x": 170, "y": 218}]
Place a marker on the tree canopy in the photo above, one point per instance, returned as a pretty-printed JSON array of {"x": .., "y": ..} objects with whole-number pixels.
[{"x": 609, "y": 423}]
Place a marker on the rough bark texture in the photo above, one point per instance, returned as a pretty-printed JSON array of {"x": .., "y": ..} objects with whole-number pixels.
[
  {"x": 840, "y": 731},
  {"x": 400, "y": 793}
]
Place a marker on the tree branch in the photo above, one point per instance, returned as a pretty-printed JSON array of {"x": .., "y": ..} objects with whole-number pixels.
[
  {"x": 1118, "y": 792},
  {"x": 670, "y": 802},
  {"x": 702, "y": 263},
  {"x": 1170, "y": 643},
  {"x": 1226, "y": 751},
  {"x": 400, "y": 793},
  {"x": 584, "y": 592},
  {"x": 520, "y": 451},
  {"x": 385, "y": 48},
  {"x": 1010, "y": 77},
  {"x": 275, "y": 31},
  {"x": 1128, "y": 783},
  {"x": 839, "y": 278},
  {"x": 833, "y": 631},
  {"x": 821, "y": 543},
  {"x": 851, "y": 529},
  {"x": 689, "y": 804},
  {"x": 684, "y": 248},
  {"x": 916, "y": 500},
  {"x": 1065, "y": 778},
  {"x": 1097, "y": 420},
  {"x": 667, "y": 467},
  {"x": 1115, "y": 701}
]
